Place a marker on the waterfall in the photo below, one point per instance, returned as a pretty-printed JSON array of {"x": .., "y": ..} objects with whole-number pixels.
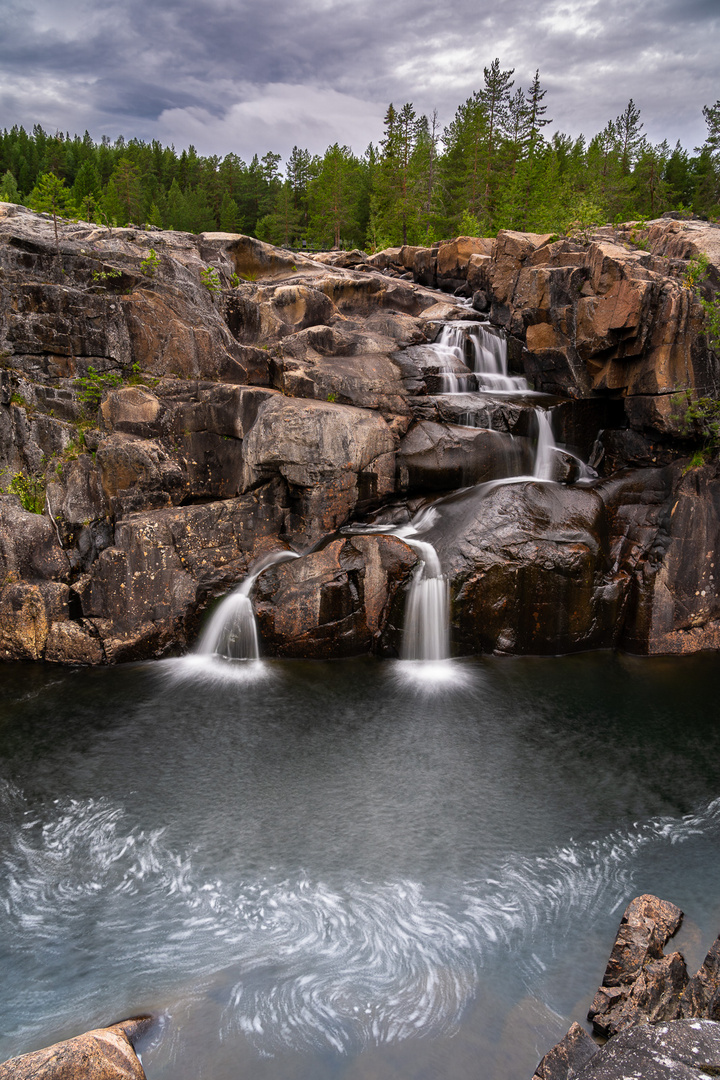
[
  {"x": 544, "y": 467},
  {"x": 488, "y": 356},
  {"x": 232, "y": 630},
  {"x": 427, "y": 611}
]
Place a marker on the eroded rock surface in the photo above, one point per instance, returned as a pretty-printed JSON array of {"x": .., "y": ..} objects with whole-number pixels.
[{"x": 178, "y": 432}]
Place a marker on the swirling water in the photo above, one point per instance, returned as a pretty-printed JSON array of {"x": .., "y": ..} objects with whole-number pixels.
[{"x": 328, "y": 868}]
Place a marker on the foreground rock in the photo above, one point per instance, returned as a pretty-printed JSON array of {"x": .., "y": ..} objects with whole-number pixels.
[
  {"x": 102, "y": 1054},
  {"x": 640, "y": 983},
  {"x": 659, "y": 1024},
  {"x": 680, "y": 1050}
]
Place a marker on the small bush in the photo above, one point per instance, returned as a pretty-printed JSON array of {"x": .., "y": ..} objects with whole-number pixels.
[
  {"x": 30, "y": 490},
  {"x": 151, "y": 264},
  {"x": 92, "y": 386}
]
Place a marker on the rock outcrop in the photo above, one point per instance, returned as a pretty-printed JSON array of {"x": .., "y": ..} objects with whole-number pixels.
[
  {"x": 658, "y": 1022},
  {"x": 102, "y": 1054},
  {"x": 166, "y": 434}
]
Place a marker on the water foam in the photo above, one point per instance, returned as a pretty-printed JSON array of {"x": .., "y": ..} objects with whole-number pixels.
[{"x": 294, "y": 963}]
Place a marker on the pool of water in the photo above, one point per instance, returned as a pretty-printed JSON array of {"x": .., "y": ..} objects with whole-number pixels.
[{"x": 363, "y": 869}]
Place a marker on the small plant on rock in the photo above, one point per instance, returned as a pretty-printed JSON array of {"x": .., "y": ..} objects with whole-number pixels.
[
  {"x": 30, "y": 489},
  {"x": 211, "y": 280},
  {"x": 92, "y": 386},
  {"x": 151, "y": 264}
]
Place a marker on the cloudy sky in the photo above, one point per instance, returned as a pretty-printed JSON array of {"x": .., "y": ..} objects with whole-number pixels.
[{"x": 242, "y": 76}]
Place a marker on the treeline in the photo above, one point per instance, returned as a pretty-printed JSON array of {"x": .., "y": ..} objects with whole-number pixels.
[{"x": 491, "y": 167}]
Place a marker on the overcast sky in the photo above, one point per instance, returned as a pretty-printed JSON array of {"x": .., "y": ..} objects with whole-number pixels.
[{"x": 241, "y": 76}]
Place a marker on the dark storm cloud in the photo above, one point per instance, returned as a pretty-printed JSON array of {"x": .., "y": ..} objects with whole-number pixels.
[{"x": 231, "y": 75}]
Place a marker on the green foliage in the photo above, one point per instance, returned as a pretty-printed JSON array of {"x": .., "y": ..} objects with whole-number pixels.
[
  {"x": 332, "y": 396},
  {"x": 699, "y": 418},
  {"x": 211, "y": 280},
  {"x": 696, "y": 271},
  {"x": 150, "y": 264},
  {"x": 94, "y": 385},
  {"x": 697, "y": 276},
  {"x": 109, "y": 274},
  {"x": 469, "y": 225},
  {"x": 234, "y": 280},
  {"x": 8, "y": 188},
  {"x": 492, "y": 160},
  {"x": 30, "y": 489}
]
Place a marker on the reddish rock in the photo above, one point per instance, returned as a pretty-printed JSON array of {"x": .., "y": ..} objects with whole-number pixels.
[
  {"x": 567, "y": 1057},
  {"x": 641, "y": 984},
  {"x": 102, "y": 1054}
]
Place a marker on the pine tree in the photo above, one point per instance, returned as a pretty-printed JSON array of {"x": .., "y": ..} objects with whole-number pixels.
[
  {"x": 50, "y": 196},
  {"x": 494, "y": 98},
  {"x": 9, "y": 189},
  {"x": 333, "y": 198}
]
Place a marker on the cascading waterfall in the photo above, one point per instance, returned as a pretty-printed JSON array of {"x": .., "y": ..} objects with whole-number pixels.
[
  {"x": 427, "y": 611},
  {"x": 232, "y": 630},
  {"x": 544, "y": 468},
  {"x": 487, "y": 356}
]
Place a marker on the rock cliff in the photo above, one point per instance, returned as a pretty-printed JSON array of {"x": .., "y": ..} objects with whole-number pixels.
[{"x": 173, "y": 406}]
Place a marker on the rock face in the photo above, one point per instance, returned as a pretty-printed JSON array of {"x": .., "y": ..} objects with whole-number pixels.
[
  {"x": 175, "y": 434},
  {"x": 102, "y": 1054},
  {"x": 642, "y": 990}
]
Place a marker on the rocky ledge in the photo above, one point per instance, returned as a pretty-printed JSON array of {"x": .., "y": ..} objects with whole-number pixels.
[
  {"x": 660, "y": 1023},
  {"x": 173, "y": 407}
]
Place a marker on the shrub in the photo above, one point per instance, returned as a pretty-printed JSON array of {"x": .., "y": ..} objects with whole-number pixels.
[
  {"x": 151, "y": 264},
  {"x": 92, "y": 386}
]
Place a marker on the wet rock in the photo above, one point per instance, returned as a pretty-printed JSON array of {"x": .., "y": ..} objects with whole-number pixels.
[
  {"x": 102, "y": 1054},
  {"x": 640, "y": 983},
  {"x": 679, "y": 1050},
  {"x": 335, "y": 601},
  {"x": 529, "y": 568},
  {"x": 567, "y": 1057},
  {"x": 702, "y": 995},
  {"x": 440, "y": 457}
]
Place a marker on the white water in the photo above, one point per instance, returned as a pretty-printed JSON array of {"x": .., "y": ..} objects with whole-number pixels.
[
  {"x": 427, "y": 613},
  {"x": 488, "y": 356},
  {"x": 544, "y": 468},
  {"x": 232, "y": 630},
  {"x": 301, "y": 964}
]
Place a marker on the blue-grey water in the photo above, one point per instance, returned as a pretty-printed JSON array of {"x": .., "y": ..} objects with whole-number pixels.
[{"x": 316, "y": 870}]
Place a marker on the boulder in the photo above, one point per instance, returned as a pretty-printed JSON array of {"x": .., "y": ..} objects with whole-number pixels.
[
  {"x": 453, "y": 259},
  {"x": 29, "y": 546},
  {"x": 680, "y": 1050},
  {"x": 529, "y": 568},
  {"x": 133, "y": 409},
  {"x": 334, "y": 459},
  {"x": 640, "y": 983},
  {"x": 439, "y": 457},
  {"x": 702, "y": 994},
  {"x": 102, "y": 1054},
  {"x": 333, "y": 602},
  {"x": 137, "y": 474}
]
